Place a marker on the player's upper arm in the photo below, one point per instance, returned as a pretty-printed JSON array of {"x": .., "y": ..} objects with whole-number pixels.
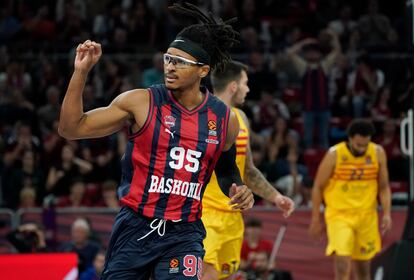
[
  {"x": 249, "y": 157},
  {"x": 325, "y": 169},
  {"x": 103, "y": 121},
  {"x": 232, "y": 131},
  {"x": 383, "y": 178}
]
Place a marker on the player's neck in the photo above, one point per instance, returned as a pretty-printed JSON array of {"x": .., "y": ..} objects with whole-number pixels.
[
  {"x": 226, "y": 98},
  {"x": 189, "y": 98}
]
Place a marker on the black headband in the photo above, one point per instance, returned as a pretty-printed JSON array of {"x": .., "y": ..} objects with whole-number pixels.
[{"x": 191, "y": 48}]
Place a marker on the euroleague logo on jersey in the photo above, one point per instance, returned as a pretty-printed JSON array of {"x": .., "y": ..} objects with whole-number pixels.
[
  {"x": 212, "y": 128},
  {"x": 174, "y": 266},
  {"x": 169, "y": 121},
  {"x": 212, "y": 125}
]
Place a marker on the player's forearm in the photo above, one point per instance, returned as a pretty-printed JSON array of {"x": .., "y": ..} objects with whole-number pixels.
[
  {"x": 72, "y": 107},
  {"x": 385, "y": 198},
  {"x": 259, "y": 185},
  {"x": 316, "y": 202},
  {"x": 227, "y": 171}
]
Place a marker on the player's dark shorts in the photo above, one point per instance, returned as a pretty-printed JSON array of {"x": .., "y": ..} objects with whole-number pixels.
[{"x": 138, "y": 248}]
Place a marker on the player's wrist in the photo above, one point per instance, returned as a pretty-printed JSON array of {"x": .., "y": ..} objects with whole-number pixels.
[
  {"x": 81, "y": 71},
  {"x": 275, "y": 198}
]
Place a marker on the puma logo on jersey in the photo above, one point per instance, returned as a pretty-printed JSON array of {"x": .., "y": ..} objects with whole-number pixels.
[
  {"x": 212, "y": 141},
  {"x": 170, "y": 132}
]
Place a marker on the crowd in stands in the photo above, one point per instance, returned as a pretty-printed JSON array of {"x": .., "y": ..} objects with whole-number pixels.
[{"x": 313, "y": 66}]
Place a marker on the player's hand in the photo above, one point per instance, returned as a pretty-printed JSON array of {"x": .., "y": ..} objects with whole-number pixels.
[
  {"x": 386, "y": 224},
  {"x": 241, "y": 197},
  {"x": 285, "y": 204},
  {"x": 315, "y": 230},
  {"x": 87, "y": 55}
]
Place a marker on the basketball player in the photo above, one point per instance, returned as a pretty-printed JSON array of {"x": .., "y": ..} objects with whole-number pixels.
[
  {"x": 179, "y": 134},
  {"x": 349, "y": 178},
  {"x": 224, "y": 225}
]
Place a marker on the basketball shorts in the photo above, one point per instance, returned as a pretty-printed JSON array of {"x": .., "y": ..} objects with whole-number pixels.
[
  {"x": 141, "y": 248},
  {"x": 224, "y": 240},
  {"x": 354, "y": 234}
]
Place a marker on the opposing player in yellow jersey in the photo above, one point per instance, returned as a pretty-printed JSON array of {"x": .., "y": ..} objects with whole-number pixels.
[
  {"x": 349, "y": 179},
  {"x": 224, "y": 226}
]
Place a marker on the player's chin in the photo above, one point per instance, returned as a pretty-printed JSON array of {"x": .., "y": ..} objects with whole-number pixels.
[{"x": 171, "y": 85}]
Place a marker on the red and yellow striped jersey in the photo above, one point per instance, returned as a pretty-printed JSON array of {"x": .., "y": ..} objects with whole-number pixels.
[{"x": 354, "y": 182}]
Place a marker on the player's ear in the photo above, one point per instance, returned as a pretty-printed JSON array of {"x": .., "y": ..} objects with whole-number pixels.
[
  {"x": 233, "y": 86},
  {"x": 203, "y": 71}
]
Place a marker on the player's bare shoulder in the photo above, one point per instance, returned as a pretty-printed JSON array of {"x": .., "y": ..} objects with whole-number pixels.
[
  {"x": 243, "y": 115},
  {"x": 133, "y": 99},
  {"x": 381, "y": 155},
  {"x": 330, "y": 156},
  {"x": 136, "y": 102}
]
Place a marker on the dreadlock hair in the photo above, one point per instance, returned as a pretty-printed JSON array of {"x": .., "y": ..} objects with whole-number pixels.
[{"x": 215, "y": 36}]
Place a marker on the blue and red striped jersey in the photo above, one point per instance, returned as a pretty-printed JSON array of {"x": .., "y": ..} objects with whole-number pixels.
[{"x": 169, "y": 161}]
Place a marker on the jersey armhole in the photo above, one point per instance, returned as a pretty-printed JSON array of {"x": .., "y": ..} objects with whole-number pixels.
[{"x": 131, "y": 134}]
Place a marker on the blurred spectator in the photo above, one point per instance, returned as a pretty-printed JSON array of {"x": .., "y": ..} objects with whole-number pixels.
[
  {"x": 94, "y": 272},
  {"x": 363, "y": 84},
  {"x": 28, "y": 238},
  {"x": 16, "y": 78},
  {"x": 109, "y": 196},
  {"x": 344, "y": 25},
  {"x": 248, "y": 17},
  {"x": 266, "y": 111},
  {"x": 71, "y": 26},
  {"x": 80, "y": 7},
  {"x": 113, "y": 81},
  {"x": 28, "y": 198},
  {"x": 14, "y": 108},
  {"x": 375, "y": 28},
  {"x": 260, "y": 77},
  {"x": 9, "y": 24},
  {"x": 28, "y": 175},
  {"x": 101, "y": 153},
  {"x": 390, "y": 141},
  {"x": 41, "y": 25},
  {"x": 60, "y": 175},
  {"x": 47, "y": 75},
  {"x": 381, "y": 111},
  {"x": 141, "y": 25},
  {"x": 263, "y": 270},
  {"x": 76, "y": 197},
  {"x": 105, "y": 23},
  {"x": 118, "y": 43},
  {"x": 155, "y": 74},
  {"x": 338, "y": 87},
  {"x": 405, "y": 92},
  {"x": 81, "y": 244},
  {"x": 313, "y": 69},
  {"x": 50, "y": 112},
  {"x": 89, "y": 100},
  {"x": 52, "y": 146},
  {"x": 253, "y": 243},
  {"x": 21, "y": 140},
  {"x": 250, "y": 40},
  {"x": 283, "y": 155}
]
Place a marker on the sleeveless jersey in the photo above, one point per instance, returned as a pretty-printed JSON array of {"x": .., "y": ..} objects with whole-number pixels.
[
  {"x": 354, "y": 183},
  {"x": 214, "y": 196},
  {"x": 168, "y": 162}
]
